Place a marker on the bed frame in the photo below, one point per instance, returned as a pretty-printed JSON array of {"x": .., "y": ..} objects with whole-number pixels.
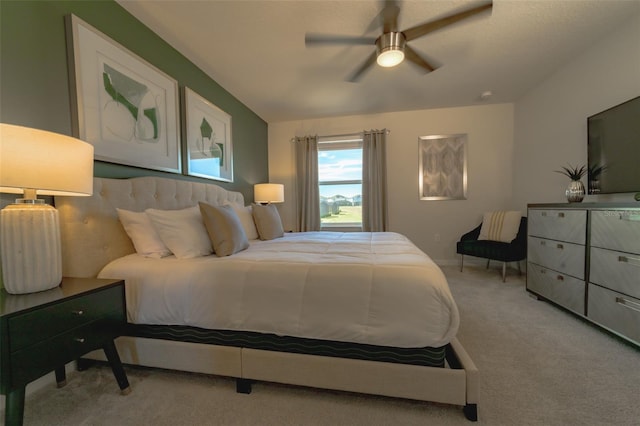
[{"x": 92, "y": 236}]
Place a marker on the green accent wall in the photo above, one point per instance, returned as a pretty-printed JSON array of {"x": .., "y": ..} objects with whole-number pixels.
[{"x": 34, "y": 81}]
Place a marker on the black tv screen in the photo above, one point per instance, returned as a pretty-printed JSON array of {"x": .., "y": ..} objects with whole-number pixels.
[{"x": 614, "y": 149}]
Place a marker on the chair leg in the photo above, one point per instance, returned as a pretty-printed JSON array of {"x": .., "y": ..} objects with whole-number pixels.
[
  {"x": 504, "y": 271},
  {"x": 488, "y": 260},
  {"x": 461, "y": 261},
  {"x": 519, "y": 270}
]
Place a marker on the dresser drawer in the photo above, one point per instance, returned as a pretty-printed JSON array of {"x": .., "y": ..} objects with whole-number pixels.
[
  {"x": 562, "y": 225},
  {"x": 26, "y": 329},
  {"x": 616, "y": 270},
  {"x": 615, "y": 311},
  {"x": 563, "y": 257},
  {"x": 616, "y": 230},
  {"x": 562, "y": 289}
]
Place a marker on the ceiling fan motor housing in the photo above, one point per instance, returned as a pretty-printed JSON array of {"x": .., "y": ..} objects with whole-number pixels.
[{"x": 390, "y": 49}]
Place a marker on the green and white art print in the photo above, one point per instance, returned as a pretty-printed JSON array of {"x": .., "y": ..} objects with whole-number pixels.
[
  {"x": 125, "y": 107},
  {"x": 209, "y": 148}
]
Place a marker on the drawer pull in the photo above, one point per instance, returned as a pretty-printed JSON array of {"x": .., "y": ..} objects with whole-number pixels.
[
  {"x": 560, "y": 278},
  {"x": 630, "y": 217},
  {"x": 544, "y": 214},
  {"x": 79, "y": 339},
  {"x": 630, "y": 260},
  {"x": 78, "y": 312},
  {"x": 560, "y": 246},
  {"x": 634, "y": 306},
  {"x": 543, "y": 243}
]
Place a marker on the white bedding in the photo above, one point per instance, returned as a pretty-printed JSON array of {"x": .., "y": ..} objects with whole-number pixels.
[{"x": 371, "y": 288}]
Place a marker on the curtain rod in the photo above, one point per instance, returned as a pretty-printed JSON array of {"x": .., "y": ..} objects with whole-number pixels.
[{"x": 344, "y": 135}]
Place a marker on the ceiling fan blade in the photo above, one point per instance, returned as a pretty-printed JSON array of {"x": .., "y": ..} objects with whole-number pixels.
[
  {"x": 428, "y": 27},
  {"x": 418, "y": 60},
  {"x": 366, "y": 66},
  {"x": 312, "y": 39},
  {"x": 389, "y": 16}
]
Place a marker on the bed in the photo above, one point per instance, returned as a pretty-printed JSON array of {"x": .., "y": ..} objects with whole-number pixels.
[{"x": 359, "y": 312}]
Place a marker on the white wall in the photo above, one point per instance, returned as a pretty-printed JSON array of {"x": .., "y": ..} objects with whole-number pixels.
[
  {"x": 490, "y": 168},
  {"x": 551, "y": 119}
]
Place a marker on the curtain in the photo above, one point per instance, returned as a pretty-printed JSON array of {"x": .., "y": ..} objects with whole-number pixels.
[
  {"x": 307, "y": 191},
  {"x": 374, "y": 181}
]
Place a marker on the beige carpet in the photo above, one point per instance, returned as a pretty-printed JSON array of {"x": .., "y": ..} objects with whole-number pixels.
[{"x": 539, "y": 366}]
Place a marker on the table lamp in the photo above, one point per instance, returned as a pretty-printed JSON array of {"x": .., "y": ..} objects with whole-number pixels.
[
  {"x": 266, "y": 193},
  {"x": 36, "y": 162}
]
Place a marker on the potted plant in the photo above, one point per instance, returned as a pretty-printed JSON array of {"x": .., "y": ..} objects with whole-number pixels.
[{"x": 575, "y": 190}]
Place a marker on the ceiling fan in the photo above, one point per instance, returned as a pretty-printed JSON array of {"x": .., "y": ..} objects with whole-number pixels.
[{"x": 391, "y": 46}]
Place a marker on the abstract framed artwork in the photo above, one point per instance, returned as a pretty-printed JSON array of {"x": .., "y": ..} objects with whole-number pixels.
[
  {"x": 124, "y": 106},
  {"x": 443, "y": 167},
  {"x": 208, "y": 143}
]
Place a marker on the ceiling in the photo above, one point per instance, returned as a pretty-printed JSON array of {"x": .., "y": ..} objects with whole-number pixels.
[{"x": 256, "y": 50}]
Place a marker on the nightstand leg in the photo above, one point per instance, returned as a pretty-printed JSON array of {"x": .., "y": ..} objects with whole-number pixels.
[
  {"x": 14, "y": 407},
  {"x": 116, "y": 366},
  {"x": 61, "y": 376}
]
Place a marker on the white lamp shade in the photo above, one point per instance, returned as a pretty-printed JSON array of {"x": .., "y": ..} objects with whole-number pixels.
[
  {"x": 268, "y": 193},
  {"x": 50, "y": 163},
  {"x": 37, "y": 162}
]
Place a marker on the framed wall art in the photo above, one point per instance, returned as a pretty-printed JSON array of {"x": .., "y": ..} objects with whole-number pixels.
[
  {"x": 443, "y": 167},
  {"x": 208, "y": 144},
  {"x": 124, "y": 106}
]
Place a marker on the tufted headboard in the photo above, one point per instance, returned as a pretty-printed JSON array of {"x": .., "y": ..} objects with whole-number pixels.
[{"x": 91, "y": 233}]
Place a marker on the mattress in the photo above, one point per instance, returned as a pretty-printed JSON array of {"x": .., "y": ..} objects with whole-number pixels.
[{"x": 365, "y": 288}]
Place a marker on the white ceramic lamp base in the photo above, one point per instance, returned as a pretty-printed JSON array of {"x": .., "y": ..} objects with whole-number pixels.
[{"x": 30, "y": 248}]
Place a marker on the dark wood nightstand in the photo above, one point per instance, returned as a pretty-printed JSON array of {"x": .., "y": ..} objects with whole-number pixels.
[{"x": 41, "y": 332}]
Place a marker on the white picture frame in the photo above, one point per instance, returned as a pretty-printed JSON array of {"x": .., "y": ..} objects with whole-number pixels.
[
  {"x": 121, "y": 104},
  {"x": 208, "y": 140},
  {"x": 443, "y": 167}
]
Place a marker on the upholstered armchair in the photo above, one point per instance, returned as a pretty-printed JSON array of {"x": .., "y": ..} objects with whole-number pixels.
[{"x": 505, "y": 252}]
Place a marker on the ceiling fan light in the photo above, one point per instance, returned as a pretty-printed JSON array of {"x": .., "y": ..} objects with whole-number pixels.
[
  {"x": 390, "y": 48},
  {"x": 390, "y": 58}
]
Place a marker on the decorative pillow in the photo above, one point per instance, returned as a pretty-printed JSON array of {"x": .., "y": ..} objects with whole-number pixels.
[
  {"x": 182, "y": 231},
  {"x": 268, "y": 222},
  {"x": 144, "y": 236},
  {"x": 500, "y": 226},
  {"x": 246, "y": 219},
  {"x": 224, "y": 228}
]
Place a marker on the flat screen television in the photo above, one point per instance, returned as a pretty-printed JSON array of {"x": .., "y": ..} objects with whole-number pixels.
[{"x": 614, "y": 149}]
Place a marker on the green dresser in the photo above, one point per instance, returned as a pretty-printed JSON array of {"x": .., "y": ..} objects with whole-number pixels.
[{"x": 41, "y": 332}]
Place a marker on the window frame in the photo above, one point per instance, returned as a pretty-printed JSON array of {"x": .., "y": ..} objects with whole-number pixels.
[{"x": 339, "y": 143}]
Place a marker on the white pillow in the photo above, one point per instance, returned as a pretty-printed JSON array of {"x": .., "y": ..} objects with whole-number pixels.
[
  {"x": 182, "y": 231},
  {"x": 246, "y": 219},
  {"x": 144, "y": 236},
  {"x": 500, "y": 226}
]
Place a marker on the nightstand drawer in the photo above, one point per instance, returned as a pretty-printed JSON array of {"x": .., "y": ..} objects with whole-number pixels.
[
  {"x": 27, "y": 329},
  {"x": 30, "y": 363}
]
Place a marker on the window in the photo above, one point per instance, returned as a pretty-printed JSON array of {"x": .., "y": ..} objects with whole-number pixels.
[{"x": 340, "y": 181}]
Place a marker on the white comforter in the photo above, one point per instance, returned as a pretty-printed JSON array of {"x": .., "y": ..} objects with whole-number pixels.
[{"x": 372, "y": 288}]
